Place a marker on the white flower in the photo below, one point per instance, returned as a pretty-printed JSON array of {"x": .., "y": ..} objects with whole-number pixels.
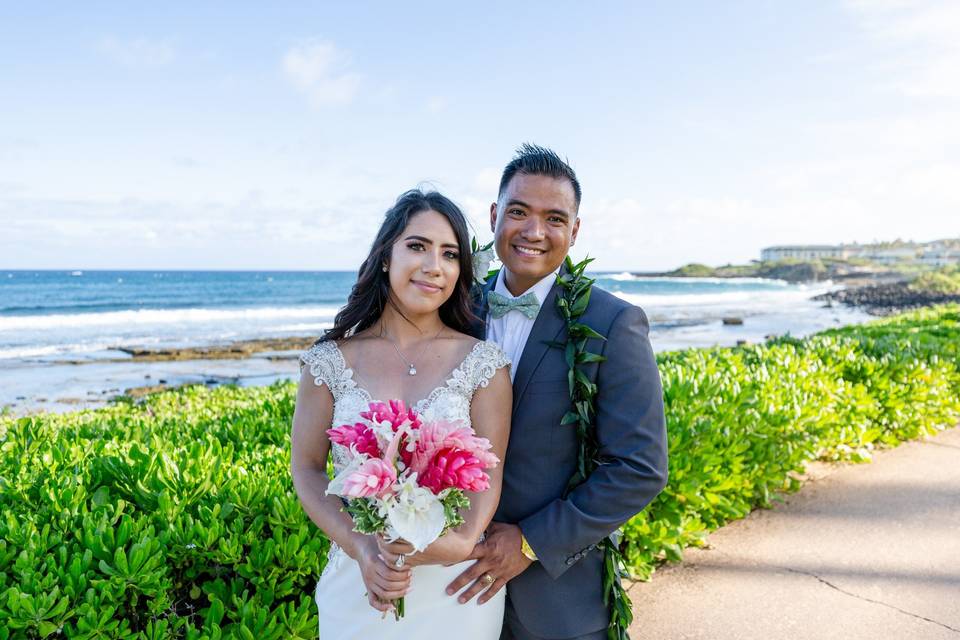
[
  {"x": 415, "y": 514},
  {"x": 336, "y": 485},
  {"x": 481, "y": 264}
]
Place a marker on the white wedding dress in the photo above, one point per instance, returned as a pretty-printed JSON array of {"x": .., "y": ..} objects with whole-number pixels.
[{"x": 341, "y": 594}]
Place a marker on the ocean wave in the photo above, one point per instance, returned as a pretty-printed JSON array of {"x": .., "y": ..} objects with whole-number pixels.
[
  {"x": 693, "y": 302},
  {"x": 626, "y": 275},
  {"x": 141, "y": 317},
  {"x": 692, "y": 280},
  {"x": 39, "y": 351}
]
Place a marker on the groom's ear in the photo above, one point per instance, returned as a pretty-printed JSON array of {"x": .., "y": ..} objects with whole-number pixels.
[
  {"x": 575, "y": 230},
  {"x": 493, "y": 217}
]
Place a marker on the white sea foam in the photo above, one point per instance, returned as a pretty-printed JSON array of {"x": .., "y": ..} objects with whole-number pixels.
[
  {"x": 694, "y": 302},
  {"x": 726, "y": 281},
  {"x": 39, "y": 351},
  {"x": 162, "y": 317}
]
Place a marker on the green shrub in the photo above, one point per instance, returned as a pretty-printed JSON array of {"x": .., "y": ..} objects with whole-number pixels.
[
  {"x": 176, "y": 517},
  {"x": 742, "y": 422},
  {"x": 943, "y": 281},
  {"x": 171, "y": 518}
]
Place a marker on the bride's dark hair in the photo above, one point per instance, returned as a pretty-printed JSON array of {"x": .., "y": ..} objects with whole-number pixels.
[{"x": 371, "y": 292}]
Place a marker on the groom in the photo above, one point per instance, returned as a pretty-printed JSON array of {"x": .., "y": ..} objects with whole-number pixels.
[{"x": 543, "y": 544}]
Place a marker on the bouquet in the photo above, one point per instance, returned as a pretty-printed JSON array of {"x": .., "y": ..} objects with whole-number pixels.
[{"x": 406, "y": 478}]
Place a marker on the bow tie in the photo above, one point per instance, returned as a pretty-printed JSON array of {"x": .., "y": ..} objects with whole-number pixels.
[{"x": 500, "y": 305}]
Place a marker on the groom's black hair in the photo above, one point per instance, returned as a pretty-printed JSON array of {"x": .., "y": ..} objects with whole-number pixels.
[{"x": 534, "y": 160}]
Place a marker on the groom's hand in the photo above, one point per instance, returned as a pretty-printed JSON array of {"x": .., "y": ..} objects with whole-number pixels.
[{"x": 498, "y": 556}]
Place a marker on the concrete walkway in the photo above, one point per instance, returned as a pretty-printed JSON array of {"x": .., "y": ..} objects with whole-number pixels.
[{"x": 862, "y": 551}]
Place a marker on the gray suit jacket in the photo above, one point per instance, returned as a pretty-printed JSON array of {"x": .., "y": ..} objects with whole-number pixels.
[{"x": 560, "y": 596}]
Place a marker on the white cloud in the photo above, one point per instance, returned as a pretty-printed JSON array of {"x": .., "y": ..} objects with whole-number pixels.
[
  {"x": 923, "y": 40},
  {"x": 321, "y": 71},
  {"x": 138, "y": 52}
]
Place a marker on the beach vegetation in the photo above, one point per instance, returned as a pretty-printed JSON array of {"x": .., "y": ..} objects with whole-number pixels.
[
  {"x": 944, "y": 281},
  {"x": 174, "y": 515}
]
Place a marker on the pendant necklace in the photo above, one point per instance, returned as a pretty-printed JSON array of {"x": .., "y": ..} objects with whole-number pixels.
[{"x": 412, "y": 369}]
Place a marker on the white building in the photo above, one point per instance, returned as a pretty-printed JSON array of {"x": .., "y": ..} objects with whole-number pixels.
[
  {"x": 940, "y": 257},
  {"x": 937, "y": 253},
  {"x": 801, "y": 252}
]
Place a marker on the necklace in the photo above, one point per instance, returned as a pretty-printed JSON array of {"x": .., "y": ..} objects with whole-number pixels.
[{"x": 412, "y": 369}]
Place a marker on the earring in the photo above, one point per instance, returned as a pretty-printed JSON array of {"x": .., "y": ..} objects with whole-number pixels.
[{"x": 386, "y": 268}]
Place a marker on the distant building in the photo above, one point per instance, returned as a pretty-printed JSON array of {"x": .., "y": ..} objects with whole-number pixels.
[
  {"x": 889, "y": 255},
  {"x": 940, "y": 257},
  {"x": 801, "y": 252},
  {"x": 937, "y": 253}
]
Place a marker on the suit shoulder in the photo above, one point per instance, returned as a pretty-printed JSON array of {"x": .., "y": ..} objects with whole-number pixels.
[{"x": 607, "y": 305}]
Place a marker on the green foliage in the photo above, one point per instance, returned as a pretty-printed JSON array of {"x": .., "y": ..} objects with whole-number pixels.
[
  {"x": 743, "y": 422},
  {"x": 366, "y": 516},
  {"x": 943, "y": 281},
  {"x": 176, "y": 517}
]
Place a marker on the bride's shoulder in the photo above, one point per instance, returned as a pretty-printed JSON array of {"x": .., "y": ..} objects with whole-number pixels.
[{"x": 326, "y": 366}]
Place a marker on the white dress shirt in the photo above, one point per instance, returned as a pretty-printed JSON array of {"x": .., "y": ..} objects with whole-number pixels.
[{"x": 510, "y": 331}]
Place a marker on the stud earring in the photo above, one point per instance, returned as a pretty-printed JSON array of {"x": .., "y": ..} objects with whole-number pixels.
[{"x": 386, "y": 268}]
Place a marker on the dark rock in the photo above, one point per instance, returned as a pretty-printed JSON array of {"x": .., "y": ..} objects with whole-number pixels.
[
  {"x": 886, "y": 299},
  {"x": 733, "y": 321},
  {"x": 742, "y": 343}
]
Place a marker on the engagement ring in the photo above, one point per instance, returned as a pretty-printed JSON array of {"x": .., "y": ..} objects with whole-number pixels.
[{"x": 401, "y": 559}]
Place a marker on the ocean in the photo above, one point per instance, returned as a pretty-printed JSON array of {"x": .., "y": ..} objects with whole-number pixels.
[{"x": 60, "y": 330}]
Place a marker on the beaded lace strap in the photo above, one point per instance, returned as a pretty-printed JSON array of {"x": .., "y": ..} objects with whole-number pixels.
[
  {"x": 482, "y": 364},
  {"x": 326, "y": 365}
]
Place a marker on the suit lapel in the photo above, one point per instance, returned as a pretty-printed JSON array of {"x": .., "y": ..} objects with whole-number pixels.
[
  {"x": 480, "y": 307},
  {"x": 546, "y": 328}
]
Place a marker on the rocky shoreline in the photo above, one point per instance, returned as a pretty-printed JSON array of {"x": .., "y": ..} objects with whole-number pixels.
[{"x": 886, "y": 298}]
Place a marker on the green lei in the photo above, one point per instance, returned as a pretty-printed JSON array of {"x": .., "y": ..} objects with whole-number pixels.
[{"x": 572, "y": 303}]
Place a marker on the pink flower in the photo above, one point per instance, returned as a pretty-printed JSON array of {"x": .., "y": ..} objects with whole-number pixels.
[
  {"x": 373, "y": 478},
  {"x": 358, "y": 435},
  {"x": 395, "y": 412},
  {"x": 454, "y": 468},
  {"x": 438, "y": 435}
]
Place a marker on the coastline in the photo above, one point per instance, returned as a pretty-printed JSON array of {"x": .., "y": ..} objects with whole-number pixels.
[{"x": 698, "y": 314}]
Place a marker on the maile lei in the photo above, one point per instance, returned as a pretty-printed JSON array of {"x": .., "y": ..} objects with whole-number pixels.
[{"x": 572, "y": 303}]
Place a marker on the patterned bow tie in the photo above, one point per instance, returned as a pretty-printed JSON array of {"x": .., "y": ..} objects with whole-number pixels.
[{"x": 528, "y": 304}]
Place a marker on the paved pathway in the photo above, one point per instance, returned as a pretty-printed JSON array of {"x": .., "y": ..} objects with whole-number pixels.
[{"x": 862, "y": 551}]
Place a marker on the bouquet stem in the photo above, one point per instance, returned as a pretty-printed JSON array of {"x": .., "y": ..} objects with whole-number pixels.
[{"x": 398, "y": 608}]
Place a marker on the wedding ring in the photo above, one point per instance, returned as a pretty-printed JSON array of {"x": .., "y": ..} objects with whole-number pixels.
[
  {"x": 401, "y": 560},
  {"x": 487, "y": 579}
]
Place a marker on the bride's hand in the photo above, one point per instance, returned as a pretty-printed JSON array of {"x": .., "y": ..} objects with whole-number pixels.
[
  {"x": 384, "y": 583},
  {"x": 391, "y": 551}
]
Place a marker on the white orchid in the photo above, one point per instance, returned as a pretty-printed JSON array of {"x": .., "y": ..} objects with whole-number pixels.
[
  {"x": 415, "y": 514},
  {"x": 482, "y": 259}
]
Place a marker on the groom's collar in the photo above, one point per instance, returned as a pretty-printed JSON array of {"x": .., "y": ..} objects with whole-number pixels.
[{"x": 541, "y": 289}]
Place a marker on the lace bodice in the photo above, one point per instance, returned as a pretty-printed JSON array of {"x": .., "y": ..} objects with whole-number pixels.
[{"x": 449, "y": 401}]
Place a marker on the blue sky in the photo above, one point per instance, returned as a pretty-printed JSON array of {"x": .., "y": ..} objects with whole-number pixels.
[{"x": 253, "y": 136}]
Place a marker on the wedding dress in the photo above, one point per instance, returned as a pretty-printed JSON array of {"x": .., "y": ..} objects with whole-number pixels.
[{"x": 341, "y": 594}]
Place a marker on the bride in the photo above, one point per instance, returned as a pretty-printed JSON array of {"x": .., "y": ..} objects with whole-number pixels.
[{"x": 402, "y": 335}]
